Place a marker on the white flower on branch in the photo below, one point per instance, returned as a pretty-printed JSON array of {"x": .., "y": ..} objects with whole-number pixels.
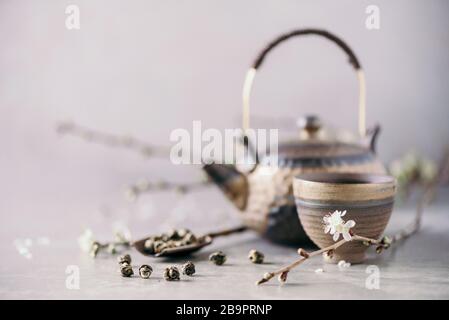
[
  {"x": 86, "y": 240},
  {"x": 342, "y": 264},
  {"x": 344, "y": 229},
  {"x": 335, "y": 225},
  {"x": 332, "y": 221}
]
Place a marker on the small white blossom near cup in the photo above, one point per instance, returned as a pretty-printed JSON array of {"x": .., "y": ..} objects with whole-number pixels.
[
  {"x": 342, "y": 264},
  {"x": 344, "y": 229},
  {"x": 86, "y": 240},
  {"x": 319, "y": 270},
  {"x": 332, "y": 221},
  {"x": 335, "y": 225}
]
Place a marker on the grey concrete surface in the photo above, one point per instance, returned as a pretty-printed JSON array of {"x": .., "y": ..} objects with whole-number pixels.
[{"x": 417, "y": 269}]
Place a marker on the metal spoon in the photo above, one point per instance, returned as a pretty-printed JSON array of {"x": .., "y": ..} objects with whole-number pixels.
[{"x": 203, "y": 241}]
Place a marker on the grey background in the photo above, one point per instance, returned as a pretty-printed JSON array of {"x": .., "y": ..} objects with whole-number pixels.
[{"x": 147, "y": 67}]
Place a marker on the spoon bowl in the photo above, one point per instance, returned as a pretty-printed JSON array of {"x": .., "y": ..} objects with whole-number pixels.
[
  {"x": 173, "y": 252},
  {"x": 185, "y": 250}
]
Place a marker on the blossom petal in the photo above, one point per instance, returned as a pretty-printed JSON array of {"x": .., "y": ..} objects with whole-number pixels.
[
  {"x": 350, "y": 224},
  {"x": 347, "y": 236},
  {"x": 327, "y": 229},
  {"x": 343, "y": 213},
  {"x": 336, "y": 236}
]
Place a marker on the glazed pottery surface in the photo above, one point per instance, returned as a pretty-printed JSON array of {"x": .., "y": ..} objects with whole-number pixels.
[
  {"x": 367, "y": 198},
  {"x": 263, "y": 191}
]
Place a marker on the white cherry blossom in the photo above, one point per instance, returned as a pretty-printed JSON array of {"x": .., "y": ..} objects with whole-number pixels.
[
  {"x": 336, "y": 226},
  {"x": 86, "y": 239}
]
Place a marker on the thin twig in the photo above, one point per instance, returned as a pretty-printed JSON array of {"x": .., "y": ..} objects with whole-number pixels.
[
  {"x": 111, "y": 140},
  {"x": 282, "y": 272},
  {"x": 227, "y": 231},
  {"x": 425, "y": 198},
  {"x": 111, "y": 247},
  {"x": 135, "y": 190}
]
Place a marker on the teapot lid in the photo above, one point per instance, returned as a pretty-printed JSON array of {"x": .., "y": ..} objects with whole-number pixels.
[
  {"x": 311, "y": 129},
  {"x": 318, "y": 146}
]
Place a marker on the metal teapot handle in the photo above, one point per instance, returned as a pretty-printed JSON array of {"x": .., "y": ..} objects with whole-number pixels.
[{"x": 301, "y": 32}]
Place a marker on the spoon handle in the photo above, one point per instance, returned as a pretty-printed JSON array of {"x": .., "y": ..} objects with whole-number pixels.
[{"x": 226, "y": 232}]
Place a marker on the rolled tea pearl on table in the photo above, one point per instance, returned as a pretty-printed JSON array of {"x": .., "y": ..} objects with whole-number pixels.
[
  {"x": 126, "y": 270},
  {"x": 145, "y": 271},
  {"x": 256, "y": 256},
  {"x": 171, "y": 274},
  {"x": 124, "y": 259},
  {"x": 218, "y": 258},
  {"x": 188, "y": 268}
]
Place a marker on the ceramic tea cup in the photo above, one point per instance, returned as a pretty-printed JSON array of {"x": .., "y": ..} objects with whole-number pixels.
[{"x": 367, "y": 198}]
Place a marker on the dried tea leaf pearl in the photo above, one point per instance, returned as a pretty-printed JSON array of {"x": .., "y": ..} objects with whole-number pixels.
[
  {"x": 173, "y": 234},
  {"x": 189, "y": 238},
  {"x": 126, "y": 258},
  {"x": 217, "y": 258},
  {"x": 159, "y": 246},
  {"x": 171, "y": 274},
  {"x": 188, "y": 268},
  {"x": 145, "y": 271},
  {"x": 149, "y": 246},
  {"x": 126, "y": 270},
  {"x": 256, "y": 256},
  {"x": 183, "y": 232}
]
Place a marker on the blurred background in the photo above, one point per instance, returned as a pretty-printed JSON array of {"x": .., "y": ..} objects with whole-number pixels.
[{"x": 144, "y": 68}]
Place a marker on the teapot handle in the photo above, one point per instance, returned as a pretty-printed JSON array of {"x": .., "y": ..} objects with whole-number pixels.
[{"x": 301, "y": 32}]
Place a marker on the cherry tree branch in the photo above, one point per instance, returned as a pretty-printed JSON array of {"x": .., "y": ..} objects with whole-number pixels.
[
  {"x": 111, "y": 140},
  {"x": 283, "y": 272},
  {"x": 135, "y": 190}
]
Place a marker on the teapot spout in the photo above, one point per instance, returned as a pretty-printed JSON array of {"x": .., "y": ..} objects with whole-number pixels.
[{"x": 232, "y": 182}]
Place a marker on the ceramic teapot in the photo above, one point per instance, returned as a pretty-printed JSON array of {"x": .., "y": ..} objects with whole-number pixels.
[{"x": 264, "y": 194}]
